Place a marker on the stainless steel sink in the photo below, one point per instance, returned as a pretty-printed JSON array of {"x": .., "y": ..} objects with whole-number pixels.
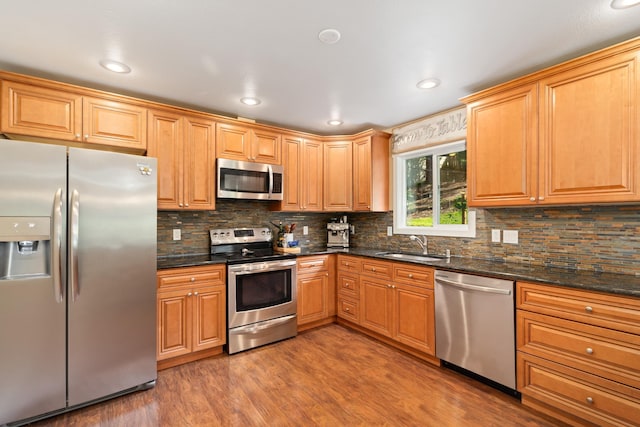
[{"x": 409, "y": 257}]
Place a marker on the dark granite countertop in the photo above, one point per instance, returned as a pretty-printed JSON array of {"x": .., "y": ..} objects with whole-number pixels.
[{"x": 619, "y": 284}]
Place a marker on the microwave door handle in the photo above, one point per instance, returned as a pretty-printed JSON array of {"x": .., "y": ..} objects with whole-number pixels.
[{"x": 270, "y": 180}]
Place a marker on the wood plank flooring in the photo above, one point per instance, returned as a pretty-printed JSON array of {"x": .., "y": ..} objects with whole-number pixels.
[{"x": 330, "y": 376}]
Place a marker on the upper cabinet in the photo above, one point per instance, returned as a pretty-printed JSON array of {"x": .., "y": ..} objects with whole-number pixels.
[
  {"x": 565, "y": 135},
  {"x": 48, "y": 113},
  {"x": 302, "y": 161},
  {"x": 246, "y": 143},
  {"x": 338, "y": 176},
  {"x": 371, "y": 172},
  {"x": 185, "y": 148}
]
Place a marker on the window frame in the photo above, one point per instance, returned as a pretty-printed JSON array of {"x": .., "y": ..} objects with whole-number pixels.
[{"x": 400, "y": 195}]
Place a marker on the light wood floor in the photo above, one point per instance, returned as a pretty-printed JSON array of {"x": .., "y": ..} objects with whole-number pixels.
[{"x": 329, "y": 376}]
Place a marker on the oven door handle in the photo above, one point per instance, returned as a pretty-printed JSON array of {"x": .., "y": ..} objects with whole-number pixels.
[
  {"x": 256, "y": 328},
  {"x": 260, "y": 267}
]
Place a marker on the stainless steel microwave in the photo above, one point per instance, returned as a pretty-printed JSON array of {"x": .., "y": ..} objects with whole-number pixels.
[{"x": 248, "y": 180}]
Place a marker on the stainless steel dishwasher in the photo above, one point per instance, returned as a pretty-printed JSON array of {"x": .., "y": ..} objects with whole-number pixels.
[{"x": 475, "y": 325}]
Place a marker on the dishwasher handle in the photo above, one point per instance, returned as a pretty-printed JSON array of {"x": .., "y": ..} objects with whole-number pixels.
[{"x": 477, "y": 288}]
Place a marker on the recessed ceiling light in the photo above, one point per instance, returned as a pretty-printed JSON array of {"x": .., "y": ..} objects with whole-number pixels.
[
  {"x": 334, "y": 122},
  {"x": 329, "y": 36},
  {"x": 115, "y": 66},
  {"x": 623, "y": 4},
  {"x": 428, "y": 83},
  {"x": 248, "y": 100}
]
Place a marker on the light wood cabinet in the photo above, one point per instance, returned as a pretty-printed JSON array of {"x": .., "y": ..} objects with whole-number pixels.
[
  {"x": 338, "y": 176},
  {"x": 395, "y": 301},
  {"x": 302, "y": 162},
  {"x": 569, "y": 134},
  {"x": 185, "y": 148},
  {"x": 246, "y": 143},
  {"x": 191, "y": 314},
  {"x": 371, "y": 159},
  {"x": 316, "y": 290},
  {"x": 578, "y": 354},
  {"x": 50, "y": 113}
]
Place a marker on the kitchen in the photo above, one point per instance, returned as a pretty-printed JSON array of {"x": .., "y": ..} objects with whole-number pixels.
[{"x": 587, "y": 237}]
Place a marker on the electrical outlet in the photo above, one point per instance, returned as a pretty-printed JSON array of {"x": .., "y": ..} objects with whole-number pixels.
[
  {"x": 495, "y": 235},
  {"x": 510, "y": 236},
  {"x": 177, "y": 234},
  {"x": 353, "y": 229},
  {"x": 305, "y": 230},
  {"x": 389, "y": 231}
]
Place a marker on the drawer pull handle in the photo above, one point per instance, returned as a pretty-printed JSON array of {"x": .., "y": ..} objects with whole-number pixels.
[
  {"x": 588, "y": 309},
  {"x": 589, "y": 350},
  {"x": 590, "y": 400}
]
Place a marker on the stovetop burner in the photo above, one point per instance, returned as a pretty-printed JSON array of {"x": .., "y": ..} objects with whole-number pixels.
[{"x": 243, "y": 245}]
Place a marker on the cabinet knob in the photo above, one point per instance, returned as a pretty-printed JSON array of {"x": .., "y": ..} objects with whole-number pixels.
[
  {"x": 393, "y": 286},
  {"x": 541, "y": 198},
  {"x": 77, "y": 136},
  {"x": 86, "y": 136},
  {"x": 193, "y": 279},
  {"x": 180, "y": 204},
  {"x": 410, "y": 276},
  {"x": 195, "y": 294},
  {"x": 186, "y": 205},
  {"x": 590, "y": 400},
  {"x": 373, "y": 269},
  {"x": 189, "y": 294},
  {"x": 346, "y": 309},
  {"x": 346, "y": 285},
  {"x": 532, "y": 199},
  {"x": 589, "y": 350},
  {"x": 588, "y": 309}
]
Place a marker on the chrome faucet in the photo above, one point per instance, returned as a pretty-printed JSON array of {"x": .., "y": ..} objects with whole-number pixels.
[{"x": 422, "y": 243}]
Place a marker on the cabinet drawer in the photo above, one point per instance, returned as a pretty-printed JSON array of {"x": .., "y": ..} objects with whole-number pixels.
[
  {"x": 609, "y": 311},
  {"x": 349, "y": 309},
  {"x": 191, "y": 276},
  {"x": 415, "y": 276},
  {"x": 380, "y": 269},
  {"x": 311, "y": 264},
  {"x": 587, "y": 396},
  {"x": 349, "y": 263},
  {"x": 348, "y": 285},
  {"x": 604, "y": 352}
]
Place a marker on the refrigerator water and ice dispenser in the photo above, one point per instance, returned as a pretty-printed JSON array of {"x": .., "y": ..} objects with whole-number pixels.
[{"x": 25, "y": 245}]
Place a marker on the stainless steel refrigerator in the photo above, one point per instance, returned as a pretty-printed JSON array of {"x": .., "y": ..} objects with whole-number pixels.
[{"x": 77, "y": 277}]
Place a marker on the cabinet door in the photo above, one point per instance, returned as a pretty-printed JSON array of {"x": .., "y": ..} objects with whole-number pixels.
[
  {"x": 116, "y": 124},
  {"x": 174, "y": 323},
  {"x": 502, "y": 148},
  {"x": 233, "y": 142},
  {"x": 376, "y": 306},
  {"x": 209, "y": 317},
  {"x": 312, "y": 175},
  {"x": 36, "y": 111},
  {"x": 266, "y": 147},
  {"x": 312, "y": 297},
  {"x": 414, "y": 318},
  {"x": 338, "y": 182},
  {"x": 166, "y": 144},
  {"x": 362, "y": 174},
  {"x": 199, "y": 152},
  {"x": 293, "y": 170},
  {"x": 589, "y": 132}
]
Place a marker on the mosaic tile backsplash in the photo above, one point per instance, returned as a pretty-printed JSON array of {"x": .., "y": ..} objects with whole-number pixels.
[{"x": 595, "y": 238}]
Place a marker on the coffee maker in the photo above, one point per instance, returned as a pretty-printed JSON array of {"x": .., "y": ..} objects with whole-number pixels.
[{"x": 338, "y": 233}]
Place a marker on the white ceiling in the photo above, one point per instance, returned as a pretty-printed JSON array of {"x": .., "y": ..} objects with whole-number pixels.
[{"x": 207, "y": 54}]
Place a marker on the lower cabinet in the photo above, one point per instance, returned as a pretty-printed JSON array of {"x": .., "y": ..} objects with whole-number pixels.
[
  {"x": 578, "y": 355},
  {"x": 393, "y": 300},
  {"x": 316, "y": 290},
  {"x": 191, "y": 314}
]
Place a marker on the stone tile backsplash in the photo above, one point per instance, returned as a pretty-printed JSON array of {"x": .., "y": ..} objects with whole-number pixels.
[{"x": 596, "y": 238}]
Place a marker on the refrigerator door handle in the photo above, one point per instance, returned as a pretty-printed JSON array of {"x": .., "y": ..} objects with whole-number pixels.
[
  {"x": 56, "y": 243},
  {"x": 73, "y": 244}
]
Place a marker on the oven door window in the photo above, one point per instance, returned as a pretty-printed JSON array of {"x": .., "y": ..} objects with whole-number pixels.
[
  {"x": 243, "y": 181},
  {"x": 260, "y": 290}
]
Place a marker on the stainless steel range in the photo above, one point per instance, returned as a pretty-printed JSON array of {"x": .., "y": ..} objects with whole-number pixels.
[{"x": 261, "y": 287}]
